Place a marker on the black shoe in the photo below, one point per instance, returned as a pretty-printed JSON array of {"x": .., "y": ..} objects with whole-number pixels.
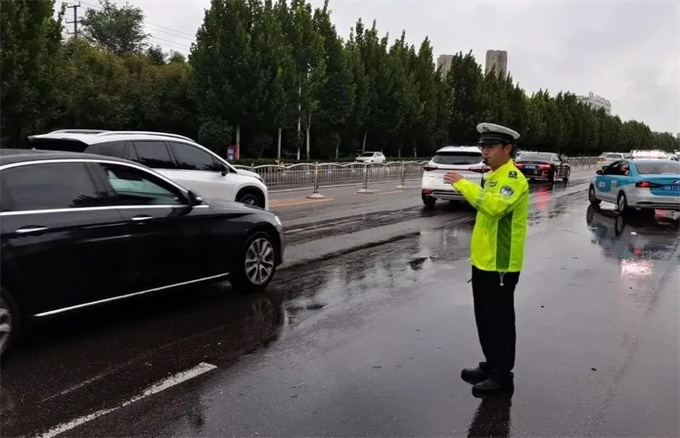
[
  {"x": 474, "y": 375},
  {"x": 493, "y": 384}
]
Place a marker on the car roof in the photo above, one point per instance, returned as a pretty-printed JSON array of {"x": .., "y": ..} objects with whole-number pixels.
[
  {"x": 459, "y": 149},
  {"x": 90, "y": 137},
  {"x": 11, "y": 156},
  {"x": 647, "y": 160}
]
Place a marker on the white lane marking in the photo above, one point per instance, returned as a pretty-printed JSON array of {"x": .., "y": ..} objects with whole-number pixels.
[{"x": 164, "y": 384}]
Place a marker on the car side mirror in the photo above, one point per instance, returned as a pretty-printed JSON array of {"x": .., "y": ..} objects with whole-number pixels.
[
  {"x": 194, "y": 199},
  {"x": 599, "y": 172}
]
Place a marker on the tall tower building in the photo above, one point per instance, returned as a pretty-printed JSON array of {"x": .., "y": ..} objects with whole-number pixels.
[
  {"x": 498, "y": 59},
  {"x": 444, "y": 61}
]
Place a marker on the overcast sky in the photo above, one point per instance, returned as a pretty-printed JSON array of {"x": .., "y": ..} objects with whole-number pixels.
[{"x": 627, "y": 52}]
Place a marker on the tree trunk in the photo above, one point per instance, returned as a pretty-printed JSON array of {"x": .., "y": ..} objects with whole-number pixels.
[
  {"x": 278, "y": 146},
  {"x": 238, "y": 137},
  {"x": 309, "y": 126},
  {"x": 363, "y": 145}
]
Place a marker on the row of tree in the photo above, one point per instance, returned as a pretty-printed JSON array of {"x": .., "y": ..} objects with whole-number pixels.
[{"x": 275, "y": 77}]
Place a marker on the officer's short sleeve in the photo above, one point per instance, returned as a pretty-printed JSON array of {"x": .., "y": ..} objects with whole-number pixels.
[{"x": 513, "y": 188}]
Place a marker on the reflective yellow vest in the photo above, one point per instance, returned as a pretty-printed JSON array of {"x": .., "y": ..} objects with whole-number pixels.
[{"x": 501, "y": 222}]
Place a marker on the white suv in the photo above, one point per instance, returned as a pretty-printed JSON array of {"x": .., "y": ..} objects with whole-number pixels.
[
  {"x": 174, "y": 156},
  {"x": 372, "y": 157},
  {"x": 466, "y": 160}
]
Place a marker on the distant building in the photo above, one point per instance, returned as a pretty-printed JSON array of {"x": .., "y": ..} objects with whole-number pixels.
[
  {"x": 678, "y": 136},
  {"x": 444, "y": 61},
  {"x": 596, "y": 102},
  {"x": 498, "y": 59}
]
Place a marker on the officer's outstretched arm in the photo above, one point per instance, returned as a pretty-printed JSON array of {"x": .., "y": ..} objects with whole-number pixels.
[{"x": 494, "y": 204}]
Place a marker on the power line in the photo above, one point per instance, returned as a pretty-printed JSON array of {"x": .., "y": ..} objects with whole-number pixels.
[
  {"x": 178, "y": 33},
  {"x": 75, "y": 20}
]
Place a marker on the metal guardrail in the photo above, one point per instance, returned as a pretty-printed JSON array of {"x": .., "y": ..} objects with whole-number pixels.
[{"x": 312, "y": 176}]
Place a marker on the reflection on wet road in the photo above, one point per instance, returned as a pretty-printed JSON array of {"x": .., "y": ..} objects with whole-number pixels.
[{"x": 371, "y": 342}]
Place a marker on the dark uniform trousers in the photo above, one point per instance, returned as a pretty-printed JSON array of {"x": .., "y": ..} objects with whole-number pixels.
[{"x": 495, "y": 317}]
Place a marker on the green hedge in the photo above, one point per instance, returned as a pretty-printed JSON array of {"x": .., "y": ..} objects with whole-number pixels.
[{"x": 269, "y": 161}]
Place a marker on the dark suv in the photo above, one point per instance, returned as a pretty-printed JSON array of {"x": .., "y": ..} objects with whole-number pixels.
[{"x": 80, "y": 230}]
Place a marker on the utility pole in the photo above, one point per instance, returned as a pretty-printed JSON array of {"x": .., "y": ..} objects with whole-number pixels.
[{"x": 75, "y": 20}]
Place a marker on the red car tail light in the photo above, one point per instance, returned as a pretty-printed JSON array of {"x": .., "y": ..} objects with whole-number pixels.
[
  {"x": 646, "y": 185},
  {"x": 479, "y": 169}
]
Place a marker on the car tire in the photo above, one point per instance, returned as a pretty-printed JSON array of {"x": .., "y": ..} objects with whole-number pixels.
[
  {"x": 590, "y": 214},
  {"x": 10, "y": 322},
  {"x": 566, "y": 176},
  {"x": 256, "y": 265},
  {"x": 250, "y": 197},
  {"x": 429, "y": 202},
  {"x": 552, "y": 176},
  {"x": 592, "y": 197},
  {"x": 622, "y": 203}
]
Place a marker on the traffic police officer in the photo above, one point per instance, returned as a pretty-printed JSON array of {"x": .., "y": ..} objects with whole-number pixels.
[{"x": 497, "y": 253}]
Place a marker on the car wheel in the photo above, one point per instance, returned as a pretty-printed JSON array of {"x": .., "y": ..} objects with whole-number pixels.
[
  {"x": 250, "y": 198},
  {"x": 592, "y": 197},
  {"x": 622, "y": 203},
  {"x": 552, "y": 176},
  {"x": 619, "y": 225},
  {"x": 567, "y": 175},
  {"x": 257, "y": 264},
  {"x": 9, "y": 322},
  {"x": 429, "y": 202}
]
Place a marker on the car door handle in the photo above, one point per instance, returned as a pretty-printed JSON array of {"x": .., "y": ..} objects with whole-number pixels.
[
  {"x": 31, "y": 229},
  {"x": 140, "y": 219}
]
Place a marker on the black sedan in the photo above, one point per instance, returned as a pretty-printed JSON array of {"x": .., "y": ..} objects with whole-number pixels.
[
  {"x": 80, "y": 230},
  {"x": 543, "y": 165}
]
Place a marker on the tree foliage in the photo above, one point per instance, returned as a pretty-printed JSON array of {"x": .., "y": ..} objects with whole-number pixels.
[
  {"x": 119, "y": 30},
  {"x": 260, "y": 67}
]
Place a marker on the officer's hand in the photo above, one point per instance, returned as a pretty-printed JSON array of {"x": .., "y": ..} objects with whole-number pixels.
[{"x": 453, "y": 177}]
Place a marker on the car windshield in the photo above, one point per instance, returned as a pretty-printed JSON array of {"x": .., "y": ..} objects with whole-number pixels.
[
  {"x": 539, "y": 157},
  {"x": 367, "y": 154},
  {"x": 618, "y": 156},
  {"x": 660, "y": 167},
  {"x": 458, "y": 158}
]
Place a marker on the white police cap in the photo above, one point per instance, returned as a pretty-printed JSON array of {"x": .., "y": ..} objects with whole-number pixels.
[{"x": 493, "y": 134}]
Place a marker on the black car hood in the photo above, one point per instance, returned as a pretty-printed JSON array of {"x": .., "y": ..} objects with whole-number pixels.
[{"x": 233, "y": 206}]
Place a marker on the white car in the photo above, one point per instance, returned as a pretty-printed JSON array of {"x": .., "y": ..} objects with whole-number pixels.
[
  {"x": 372, "y": 157},
  {"x": 466, "y": 160},
  {"x": 176, "y": 157},
  {"x": 608, "y": 158}
]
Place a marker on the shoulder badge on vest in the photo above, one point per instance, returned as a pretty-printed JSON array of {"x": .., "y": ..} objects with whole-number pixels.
[
  {"x": 512, "y": 174},
  {"x": 507, "y": 191},
  {"x": 493, "y": 183}
]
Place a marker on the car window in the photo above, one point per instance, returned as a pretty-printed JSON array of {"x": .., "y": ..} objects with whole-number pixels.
[
  {"x": 189, "y": 157},
  {"x": 58, "y": 144},
  {"x": 658, "y": 168},
  {"x": 366, "y": 154},
  {"x": 130, "y": 186},
  {"x": 109, "y": 149},
  {"x": 533, "y": 157},
  {"x": 153, "y": 154},
  {"x": 461, "y": 158},
  {"x": 615, "y": 156},
  {"x": 613, "y": 169},
  {"x": 49, "y": 186}
]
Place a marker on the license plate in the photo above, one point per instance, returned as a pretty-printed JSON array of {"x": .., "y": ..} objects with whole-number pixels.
[
  {"x": 530, "y": 167},
  {"x": 673, "y": 188}
]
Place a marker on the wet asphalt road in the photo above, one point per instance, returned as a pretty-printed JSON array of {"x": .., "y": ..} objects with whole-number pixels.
[{"x": 370, "y": 342}]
